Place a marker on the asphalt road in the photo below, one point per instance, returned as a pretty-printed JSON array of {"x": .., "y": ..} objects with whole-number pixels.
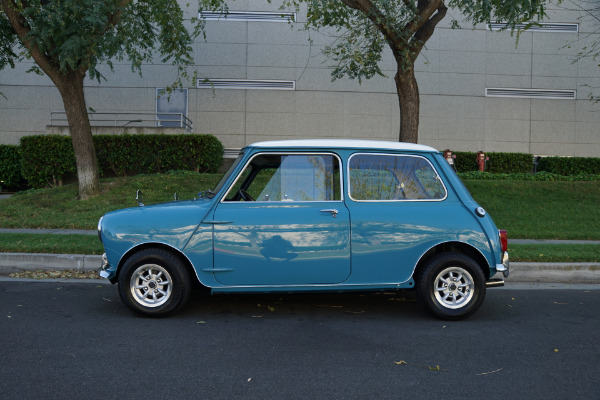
[{"x": 66, "y": 340}]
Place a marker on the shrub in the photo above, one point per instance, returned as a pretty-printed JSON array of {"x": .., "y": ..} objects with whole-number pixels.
[
  {"x": 569, "y": 165},
  {"x": 46, "y": 159},
  {"x": 143, "y": 154},
  {"x": 508, "y": 163},
  {"x": 540, "y": 176},
  {"x": 10, "y": 167}
]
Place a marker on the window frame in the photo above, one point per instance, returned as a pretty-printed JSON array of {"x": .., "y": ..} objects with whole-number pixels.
[
  {"x": 349, "y": 185},
  {"x": 161, "y": 92},
  {"x": 283, "y": 153}
]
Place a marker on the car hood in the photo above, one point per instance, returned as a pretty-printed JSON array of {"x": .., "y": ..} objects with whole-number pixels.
[{"x": 170, "y": 223}]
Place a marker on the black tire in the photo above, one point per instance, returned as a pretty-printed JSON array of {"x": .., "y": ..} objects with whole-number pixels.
[
  {"x": 451, "y": 286},
  {"x": 154, "y": 282}
]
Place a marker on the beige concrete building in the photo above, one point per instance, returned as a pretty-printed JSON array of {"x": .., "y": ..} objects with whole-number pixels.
[{"x": 479, "y": 90}]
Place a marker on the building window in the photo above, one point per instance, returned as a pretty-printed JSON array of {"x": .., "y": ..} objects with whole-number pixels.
[
  {"x": 541, "y": 27},
  {"x": 171, "y": 108},
  {"x": 245, "y": 16}
]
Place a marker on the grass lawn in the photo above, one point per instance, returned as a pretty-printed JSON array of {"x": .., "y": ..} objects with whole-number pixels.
[
  {"x": 541, "y": 210},
  {"x": 526, "y": 209},
  {"x": 59, "y": 207},
  {"x": 48, "y": 243},
  {"x": 554, "y": 252}
]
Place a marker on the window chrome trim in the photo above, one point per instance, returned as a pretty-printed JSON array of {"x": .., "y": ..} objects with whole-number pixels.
[
  {"x": 303, "y": 153},
  {"x": 398, "y": 200}
]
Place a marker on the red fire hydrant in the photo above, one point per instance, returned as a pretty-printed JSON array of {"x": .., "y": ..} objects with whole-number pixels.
[
  {"x": 449, "y": 156},
  {"x": 481, "y": 159}
]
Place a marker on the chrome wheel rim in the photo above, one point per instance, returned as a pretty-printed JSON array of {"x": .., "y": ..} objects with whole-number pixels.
[
  {"x": 151, "y": 285},
  {"x": 453, "y": 287}
]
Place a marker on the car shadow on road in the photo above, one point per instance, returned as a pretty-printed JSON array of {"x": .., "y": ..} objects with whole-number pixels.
[{"x": 297, "y": 305}]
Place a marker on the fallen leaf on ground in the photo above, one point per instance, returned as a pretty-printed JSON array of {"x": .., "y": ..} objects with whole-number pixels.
[{"x": 491, "y": 372}]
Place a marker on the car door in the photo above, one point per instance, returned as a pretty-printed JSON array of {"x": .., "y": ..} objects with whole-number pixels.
[
  {"x": 396, "y": 214},
  {"x": 283, "y": 222}
]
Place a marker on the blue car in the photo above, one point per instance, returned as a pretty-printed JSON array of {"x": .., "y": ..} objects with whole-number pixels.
[{"x": 308, "y": 216}]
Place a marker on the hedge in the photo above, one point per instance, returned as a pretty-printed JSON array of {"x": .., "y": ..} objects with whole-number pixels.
[
  {"x": 10, "y": 167},
  {"x": 507, "y": 163},
  {"x": 539, "y": 176},
  {"x": 569, "y": 165},
  {"x": 48, "y": 158}
]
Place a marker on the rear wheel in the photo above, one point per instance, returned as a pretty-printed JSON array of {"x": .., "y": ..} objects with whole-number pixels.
[
  {"x": 154, "y": 282},
  {"x": 451, "y": 286}
]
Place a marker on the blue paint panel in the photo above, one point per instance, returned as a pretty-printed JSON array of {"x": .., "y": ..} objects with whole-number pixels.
[
  {"x": 279, "y": 243},
  {"x": 171, "y": 224},
  {"x": 389, "y": 238}
]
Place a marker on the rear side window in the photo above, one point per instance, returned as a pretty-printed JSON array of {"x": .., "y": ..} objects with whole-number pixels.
[{"x": 387, "y": 177}]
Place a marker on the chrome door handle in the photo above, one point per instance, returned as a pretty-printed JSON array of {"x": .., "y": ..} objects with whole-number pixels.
[{"x": 333, "y": 211}]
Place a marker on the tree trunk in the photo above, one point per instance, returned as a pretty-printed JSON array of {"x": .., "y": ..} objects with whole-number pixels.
[
  {"x": 408, "y": 99},
  {"x": 70, "y": 87}
]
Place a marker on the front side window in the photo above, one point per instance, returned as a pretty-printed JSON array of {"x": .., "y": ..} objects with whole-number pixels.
[
  {"x": 288, "y": 177},
  {"x": 384, "y": 177}
]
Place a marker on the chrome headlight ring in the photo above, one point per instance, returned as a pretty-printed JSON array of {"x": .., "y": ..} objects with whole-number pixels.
[{"x": 100, "y": 229}]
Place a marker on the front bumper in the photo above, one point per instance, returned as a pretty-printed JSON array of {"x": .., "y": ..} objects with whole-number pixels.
[{"x": 106, "y": 270}]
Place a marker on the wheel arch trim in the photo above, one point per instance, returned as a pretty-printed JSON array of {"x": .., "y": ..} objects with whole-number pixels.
[
  {"x": 148, "y": 245},
  {"x": 456, "y": 246}
]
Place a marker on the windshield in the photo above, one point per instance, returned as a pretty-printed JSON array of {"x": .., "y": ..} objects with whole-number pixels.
[{"x": 228, "y": 173}]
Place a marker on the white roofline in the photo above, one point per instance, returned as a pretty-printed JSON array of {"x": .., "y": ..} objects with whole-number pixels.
[{"x": 344, "y": 143}]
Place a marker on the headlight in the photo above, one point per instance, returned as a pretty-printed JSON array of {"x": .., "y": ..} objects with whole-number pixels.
[{"x": 100, "y": 229}]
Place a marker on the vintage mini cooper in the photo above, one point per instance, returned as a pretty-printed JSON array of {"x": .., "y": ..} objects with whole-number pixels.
[{"x": 313, "y": 215}]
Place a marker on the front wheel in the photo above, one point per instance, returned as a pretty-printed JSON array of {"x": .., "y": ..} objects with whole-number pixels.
[
  {"x": 451, "y": 286},
  {"x": 154, "y": 282}
]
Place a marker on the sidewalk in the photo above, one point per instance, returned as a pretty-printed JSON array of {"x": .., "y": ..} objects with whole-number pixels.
[{"x": 519, "y": 271}]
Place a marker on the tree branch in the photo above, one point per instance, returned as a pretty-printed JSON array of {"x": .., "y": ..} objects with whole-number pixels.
[
  {"x": 426, "y": 31},
  {"x": 426, "y": 8},
  {"x": 376, "y": 16},
  {"x": 114, "y": 19},
  {"x": 19, "y": 25}
]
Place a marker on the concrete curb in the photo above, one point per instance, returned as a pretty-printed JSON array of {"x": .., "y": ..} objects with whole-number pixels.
[
  {"x": 554, "y": 272},
  {"x": 17, "y": 262},
  {"x": 519, "y": 271}
]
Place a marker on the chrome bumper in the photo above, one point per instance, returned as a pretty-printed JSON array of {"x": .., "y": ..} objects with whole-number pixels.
[
  {"x": 505, "y": 266},
  {"x": 495, "y": 282},
  {"x": 103, "y": 270}
]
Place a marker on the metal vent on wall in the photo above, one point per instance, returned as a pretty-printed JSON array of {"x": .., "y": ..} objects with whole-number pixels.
[
  {"x": 245, "y": 84},
  {"x": 551, "y": 94},
  {"x": 542, "y": 27},
  {"x": 260, "y": 16}
]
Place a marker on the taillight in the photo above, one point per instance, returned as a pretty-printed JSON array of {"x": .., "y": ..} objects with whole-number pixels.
[{"x": 503, "y": 239}]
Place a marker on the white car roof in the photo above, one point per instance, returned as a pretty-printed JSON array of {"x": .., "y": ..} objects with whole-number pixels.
[{"x": 344, "y": 143}]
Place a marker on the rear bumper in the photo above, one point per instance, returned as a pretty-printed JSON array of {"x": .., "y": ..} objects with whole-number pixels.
[
  {"x": 505, "y": 266},
  {"x": 495, "y": 282}
]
